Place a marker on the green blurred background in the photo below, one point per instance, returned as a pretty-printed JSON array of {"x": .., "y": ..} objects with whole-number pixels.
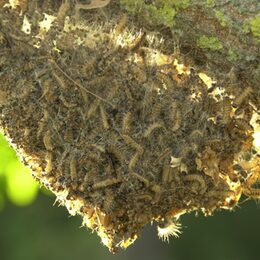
[{"x": 32, "y": 228}]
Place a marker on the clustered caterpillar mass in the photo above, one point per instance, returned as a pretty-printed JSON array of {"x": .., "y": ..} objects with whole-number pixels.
[{"x": 107, "y": 120}]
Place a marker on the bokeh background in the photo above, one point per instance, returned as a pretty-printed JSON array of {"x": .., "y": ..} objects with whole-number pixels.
[{"x": 32, "y": 228}]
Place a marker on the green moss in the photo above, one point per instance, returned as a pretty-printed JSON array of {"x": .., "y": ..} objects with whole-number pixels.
[
  {"x": 232, "y": 55},
  {"x": 212, "y": 43},
  {"x": 222, "y": 18},
  {"x": 245, "y": 28},
  {"x": 210, "y": 3},
  {"x": 160, "y": 12},
  {"x": 164, "y": 15},
  {"x": 255, "y": 26},
  {"x": 180, "y": 4},
  {"x": 132, "y": 6}
]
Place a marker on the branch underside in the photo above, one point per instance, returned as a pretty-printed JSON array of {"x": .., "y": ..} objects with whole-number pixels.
[{"x": 109, "y": 119}]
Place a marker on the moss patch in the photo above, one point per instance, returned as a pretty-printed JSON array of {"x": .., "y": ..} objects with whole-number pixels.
[
  {"x": 232, "y": 55},
  {"x": 210, "y": 3},
  {"x": 222, "y": 18},
  {"x": 212, "y": 43},
  {"x": 160, "y": 12},
  {"x": 255, "y": 26}
]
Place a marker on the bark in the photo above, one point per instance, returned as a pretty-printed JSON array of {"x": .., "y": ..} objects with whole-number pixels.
[{"x": 217, "y": 35}]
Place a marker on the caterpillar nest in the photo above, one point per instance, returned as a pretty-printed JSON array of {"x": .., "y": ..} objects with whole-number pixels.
[{"x": 110, "y": 121}]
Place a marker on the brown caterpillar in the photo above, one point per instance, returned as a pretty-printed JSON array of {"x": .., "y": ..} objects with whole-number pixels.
[
  {"x": 66, "y": 103},
  {"x": 97, "y": 216},
  {"x": 73, "y": 168},
  {"x": 242, "y": 96},
  {"x": 138, "y": 42},
  {"x": 177, "y": 123},
  {"x": 43, "y": 123},
  {"x": 104, "y": 118},
  {"x": 62, "y": 159},
  {"x": 88, "y": 211},
  {"x": 59, "y": 80},
  {"x": 99, "y": 148},
  {"x": 253, "y": 178},
  {"x": 248, "y": 113},
  {"x": 26, "y": 89},
  {"x": 47, "y": 140},
  {"x": 175, "y": 116},
  {"x": 146, "y": 197},
  {"x": 121, "y": 24},
  {"x": 126, "y": 124},
  {"x": 68, "y": 136},
  {"x": 155, "y": 188},
  {"x": 90, "y": 65},
  {"x": 130, "y": 141},
  {"x": 113, "y": 90},
  {"x": 109, "y": 202},
  {"x": 105, "y": 183},
  {"x": 165, "y": 79},
  {"x": 47, "y": 91},
  {"x": 251, "y": 192},
  {"x": 152, "y": 128},
  {"x": 157, "y": 193},
  {"x": 105, "y": 220},
  {"x": 98, "y": 81},
  {"x": 149, "y": 96},
  {"x": 128, "y": 94},
  {"x": 156, "y": 110},
  {"x": 243, "y": 125},
  {"x": 116, "y": 153},
  {"x": 140, "y": 73},
  {"x": 92, "y": 109},
  {"x": 140, "y": 178},
  {"x": 84, "y": 96},
  {"x": 89, "y": 178},
  {"x": 28, "y": 66},
  {"x": 167, "y": 152},
  {"x": 199, "y": 179},
  {"x": 62, "y": 12},
  {"x": 48, "y": 159},
  {"x": 220, "y": 193},
  {"x": 226, "y": 110},
  {"x": 166, "y": 172},
  {"x": 133, "y": 161}
]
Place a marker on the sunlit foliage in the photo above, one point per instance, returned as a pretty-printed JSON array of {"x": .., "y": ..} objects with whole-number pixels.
[{"x": 16, "y": 182}]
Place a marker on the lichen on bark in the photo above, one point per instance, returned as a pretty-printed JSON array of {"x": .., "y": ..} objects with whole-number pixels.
[{"x": 234, "y": 25}]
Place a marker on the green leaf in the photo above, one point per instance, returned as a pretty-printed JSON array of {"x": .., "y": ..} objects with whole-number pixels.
[{"x": 22, "y": 189}]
